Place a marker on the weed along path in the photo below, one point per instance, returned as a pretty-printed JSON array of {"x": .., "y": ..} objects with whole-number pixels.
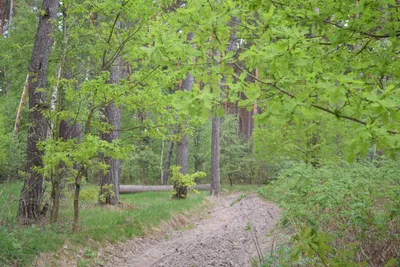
[{"x": 233, "y": 234}]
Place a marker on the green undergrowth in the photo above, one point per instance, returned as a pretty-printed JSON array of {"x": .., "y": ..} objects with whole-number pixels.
[
  {"x": 138, "y": 213},
  {"x": 342, "y": 215}
]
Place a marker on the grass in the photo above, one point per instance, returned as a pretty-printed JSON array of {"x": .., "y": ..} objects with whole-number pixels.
[{"x": 137, "y": 214}]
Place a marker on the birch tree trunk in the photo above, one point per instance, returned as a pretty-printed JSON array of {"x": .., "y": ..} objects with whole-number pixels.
[{"x": 32, "y": 191}]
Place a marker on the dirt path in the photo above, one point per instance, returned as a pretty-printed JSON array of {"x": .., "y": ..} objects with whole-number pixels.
[{"x": 237, "y": 227}]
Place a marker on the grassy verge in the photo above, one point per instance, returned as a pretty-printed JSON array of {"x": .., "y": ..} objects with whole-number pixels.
[
  {"x": 347, "y": 215},
  {"x": 137, "y": 214}
]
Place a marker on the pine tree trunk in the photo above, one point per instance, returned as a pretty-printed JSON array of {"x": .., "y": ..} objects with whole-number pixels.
[
  {"x": 2, "y": 17},
  {"x": 32, "y": 191},
  {"x": 168, "y": 162},
  {"x": 216, "y": 121},
  {"x": 215, "y": 156},
  {"x": 109, "y": 181}
]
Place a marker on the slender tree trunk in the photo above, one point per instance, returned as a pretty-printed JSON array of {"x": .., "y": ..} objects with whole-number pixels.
[
  {"x": 32, "y": 191},
  {"x": 215, "y": 156},
  {"x": 57, "y": 105},
  {"x": 216, "y": 121},
  {"x": 182, "y": 146},
  {"x": 21, "y": 106},
  {"x": 109, "y": 181},
  {"x": 76, "y": 200},
  {"x": 168, "y": 162},
  {"x": 161, "y": 161}
]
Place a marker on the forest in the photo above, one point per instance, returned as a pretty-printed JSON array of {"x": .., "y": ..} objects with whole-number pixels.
[{"x": 200, "y": 133}]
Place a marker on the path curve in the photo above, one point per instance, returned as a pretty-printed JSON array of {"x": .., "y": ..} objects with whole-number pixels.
[{"x": 236, "y": 227}]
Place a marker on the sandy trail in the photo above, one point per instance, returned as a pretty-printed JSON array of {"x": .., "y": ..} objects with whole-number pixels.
[{"x": 233, "y": 235}]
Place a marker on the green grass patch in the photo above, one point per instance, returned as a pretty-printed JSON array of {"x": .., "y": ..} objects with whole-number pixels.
[{"x": 137, "y": 214}]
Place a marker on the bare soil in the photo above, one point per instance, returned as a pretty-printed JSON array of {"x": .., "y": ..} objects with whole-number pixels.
[{"x": 234, "y": 234}]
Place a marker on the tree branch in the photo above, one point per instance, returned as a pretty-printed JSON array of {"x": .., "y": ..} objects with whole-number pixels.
[{"x": 291, "y": 95}]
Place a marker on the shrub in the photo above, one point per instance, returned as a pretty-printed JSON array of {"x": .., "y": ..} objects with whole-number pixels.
[
  {"x": 348, "y": 204},
  {"x": 183, "y": 182}
]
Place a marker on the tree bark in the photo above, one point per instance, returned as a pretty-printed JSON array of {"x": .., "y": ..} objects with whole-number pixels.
[
  {"x": 161, "y": 161},
  {"x": 182, "y": 146},
  {"x": 109, "y": 181},
  {"x": 168, "y": 162},
  {"x": 182, "y": 152},
  {"x": 2, "y": 17},
  {"x": 215, "y": 156},
  {"x": 32, "y": 191}
]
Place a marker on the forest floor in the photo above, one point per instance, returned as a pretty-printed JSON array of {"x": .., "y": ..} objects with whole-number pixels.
[{"x": 233, "y": 233}]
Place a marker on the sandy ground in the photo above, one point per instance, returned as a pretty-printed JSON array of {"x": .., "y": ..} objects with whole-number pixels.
[{"x": 234, "y": 234}]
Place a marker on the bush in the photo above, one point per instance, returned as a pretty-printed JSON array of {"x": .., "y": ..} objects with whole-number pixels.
[
  {"x": 347, "y": 205},
  {"x": 183, "y": 182}
]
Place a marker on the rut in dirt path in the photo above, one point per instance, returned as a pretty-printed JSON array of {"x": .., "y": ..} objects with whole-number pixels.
[{"x": 234, "y": 234}]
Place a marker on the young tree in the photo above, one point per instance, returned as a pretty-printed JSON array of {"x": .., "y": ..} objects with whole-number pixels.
[{"x": 182, "y": 146}]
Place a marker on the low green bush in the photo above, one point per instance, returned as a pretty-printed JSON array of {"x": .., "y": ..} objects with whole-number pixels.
[{"x": 343, "y": 215}]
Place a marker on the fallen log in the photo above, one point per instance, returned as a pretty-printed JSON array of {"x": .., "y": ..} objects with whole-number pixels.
[{"x": 128, "y": 189}]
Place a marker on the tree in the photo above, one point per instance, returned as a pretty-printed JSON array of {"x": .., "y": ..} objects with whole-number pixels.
[
  {"x": 167, "y": 162},
  {"x": 182, "y": 146},
  {"x": 110, "y": 179},
  {"x": 215, "y": 155},
  {"x": 32, "y": 191}
]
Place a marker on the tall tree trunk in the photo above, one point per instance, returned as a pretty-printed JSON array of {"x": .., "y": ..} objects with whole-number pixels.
[
  {"x": 168, "y": 162},
  {"x": 182, "y": 146},
  {"x": 216, "y": 121},
  {"x": 57, "y": 105},
  {"x": 32, "y": 191},
  {"x": 109, "y": 181},
  {"x": 215, "y": 156}
]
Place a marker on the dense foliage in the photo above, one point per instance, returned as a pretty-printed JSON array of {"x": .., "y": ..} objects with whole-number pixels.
[
  {"x": 303, "y": 88},
  {"x": 341, "y": 214}
]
